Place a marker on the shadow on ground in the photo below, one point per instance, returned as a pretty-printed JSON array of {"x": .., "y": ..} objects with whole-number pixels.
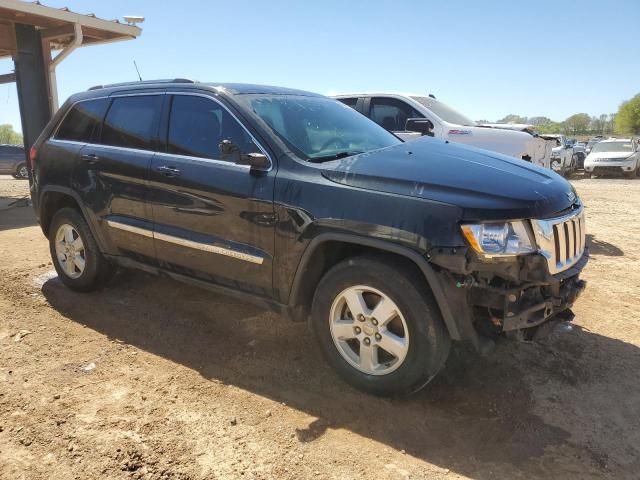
[
  {"x": 16, "y": 213},
  {"x": 478, "y": 415},
  {"x": 600, "y": 247}
]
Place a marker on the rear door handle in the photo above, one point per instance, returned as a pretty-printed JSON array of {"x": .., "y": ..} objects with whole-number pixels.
[
  {"x": 169, "y": 171},
  {"x": 90, "y": 157}
]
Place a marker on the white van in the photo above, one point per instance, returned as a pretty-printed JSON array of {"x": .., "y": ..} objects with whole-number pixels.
[{"x": 410, "y": 116}]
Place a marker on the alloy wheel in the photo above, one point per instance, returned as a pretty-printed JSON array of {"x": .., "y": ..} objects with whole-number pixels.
[
  {"x": 369, "y": 330},
  {"x": 70, "y": 250}
]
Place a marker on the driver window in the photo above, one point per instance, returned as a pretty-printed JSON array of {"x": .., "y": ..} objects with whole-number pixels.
[
  {"x": 391, "y": 113},
  {"x": 198, "y": 125}
]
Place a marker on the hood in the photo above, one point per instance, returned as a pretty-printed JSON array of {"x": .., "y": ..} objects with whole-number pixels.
[
  {"x": 486, "y": 185},
  {"x": 503, "y": 134},
  {"x": 611, "y": 155},
  {"x": 507, "y": 142}
]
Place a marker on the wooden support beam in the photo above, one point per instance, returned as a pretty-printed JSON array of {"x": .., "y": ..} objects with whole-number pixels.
[
  {"x": 7, "y": 37},
  {"x": 7, "y": 78},
  {"x": 57, "y": 32}
]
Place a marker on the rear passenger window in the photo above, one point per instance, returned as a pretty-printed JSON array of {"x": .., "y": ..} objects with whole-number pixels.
[
  {"x": 81, "y": 122},
  {"x": 351, "y": 102},
  {"x": 132, "y": 122},
  {"x": 197, "y": 126}
]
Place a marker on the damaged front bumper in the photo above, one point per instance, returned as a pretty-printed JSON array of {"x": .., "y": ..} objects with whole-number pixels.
[
  {"x": 528, "y": 306},
  {"x": 508, "y": 297}
]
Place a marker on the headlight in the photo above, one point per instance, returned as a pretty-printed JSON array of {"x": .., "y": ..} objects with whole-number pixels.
[{"x": 499, "y": 239}]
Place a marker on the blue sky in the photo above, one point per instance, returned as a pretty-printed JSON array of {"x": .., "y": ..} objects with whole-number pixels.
[{"x": 485, "y": 58}]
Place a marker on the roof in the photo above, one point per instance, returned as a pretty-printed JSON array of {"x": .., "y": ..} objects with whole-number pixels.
[
  {"x": 379, "y": 94},
  {"x": 249, "y": 88},
  {"x": 222, "y": 88},
  {"x": 57, "y": 25}
]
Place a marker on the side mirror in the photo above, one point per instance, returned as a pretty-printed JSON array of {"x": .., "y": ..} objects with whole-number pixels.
[
  {"x": 423, "y": 126},
  {"x": 257, "y": 161},
  {"x": 229, "y": 151}
]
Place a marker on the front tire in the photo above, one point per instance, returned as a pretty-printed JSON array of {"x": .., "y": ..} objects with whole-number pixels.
[
  {"x": 75, "y": 253},
  {"x": 378, "y": 326}
]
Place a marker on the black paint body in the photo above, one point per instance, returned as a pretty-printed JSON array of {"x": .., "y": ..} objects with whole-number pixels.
[{"x": 408, "y": 200}]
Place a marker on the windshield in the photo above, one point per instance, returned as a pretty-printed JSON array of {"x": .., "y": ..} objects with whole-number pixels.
[
  {"x": 612, "y": 147},
  {"x": 445, "y": 112},
  {"x": 319, "y": 128}
]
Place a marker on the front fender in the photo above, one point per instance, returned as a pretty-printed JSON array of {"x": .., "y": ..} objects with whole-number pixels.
[{"x": 424, "y": 266}]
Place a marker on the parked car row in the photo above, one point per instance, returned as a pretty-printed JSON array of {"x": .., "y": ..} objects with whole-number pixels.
[{"x": 297, "y": 202}]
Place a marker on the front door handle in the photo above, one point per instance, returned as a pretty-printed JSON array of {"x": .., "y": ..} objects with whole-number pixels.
[
  {"x": 89, "y": 157},
  {"x": 169, "y": 171}
]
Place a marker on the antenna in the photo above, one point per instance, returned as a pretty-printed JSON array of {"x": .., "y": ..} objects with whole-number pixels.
[{"x": 138, "y": 71}]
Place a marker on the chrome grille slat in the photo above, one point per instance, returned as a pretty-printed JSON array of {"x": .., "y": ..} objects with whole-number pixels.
[
  {"x": 571, "y": 239},
  {"x": 561, "y": 240}
]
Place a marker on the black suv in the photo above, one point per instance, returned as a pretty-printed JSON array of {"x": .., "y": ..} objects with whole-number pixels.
[
  {"x": 300, "y": 203},
  {"x": 13, "y": 161}
]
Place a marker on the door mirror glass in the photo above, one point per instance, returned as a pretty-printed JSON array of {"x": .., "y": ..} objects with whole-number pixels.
[{"x": 423, "y": 126}]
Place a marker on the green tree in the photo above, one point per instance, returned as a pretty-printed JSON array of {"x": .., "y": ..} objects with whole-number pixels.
[
  {"x": 577, "y": 124},
  {"x": 539, "y": 120},
  {"x": 511, "y": 118},
  {"x": 551, "y": 127},
  {"x": 627, "y": 120},
  {"x": 9, "y": 135}
]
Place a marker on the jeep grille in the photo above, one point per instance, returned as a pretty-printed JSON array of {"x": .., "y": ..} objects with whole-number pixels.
[{"x": 561, "y": 240}]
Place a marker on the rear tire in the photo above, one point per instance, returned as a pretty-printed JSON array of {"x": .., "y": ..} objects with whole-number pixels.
[
  {"x": 397, "y": 353},
  {"x": 75, "y": 253}
]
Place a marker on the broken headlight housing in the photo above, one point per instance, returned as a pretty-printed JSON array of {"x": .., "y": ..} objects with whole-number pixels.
[{"x": 504, "y": 239}]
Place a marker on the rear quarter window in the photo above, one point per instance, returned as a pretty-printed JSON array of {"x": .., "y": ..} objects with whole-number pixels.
[
  {"x": 82, "y": 121},
  {"x": 351, "y": 102}
]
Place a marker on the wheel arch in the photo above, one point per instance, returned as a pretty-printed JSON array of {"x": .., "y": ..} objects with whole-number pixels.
[
  {"x": 52, "y": 198},
  {"x": 328, "y": 248}
]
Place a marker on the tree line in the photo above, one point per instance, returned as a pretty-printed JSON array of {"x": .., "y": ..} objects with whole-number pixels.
[
  {"x": 626, "y": 121},
  {"x": 9, "y": 135}
]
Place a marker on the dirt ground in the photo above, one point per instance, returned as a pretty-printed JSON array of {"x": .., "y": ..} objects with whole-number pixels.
[{"x": 151, "y": 379}]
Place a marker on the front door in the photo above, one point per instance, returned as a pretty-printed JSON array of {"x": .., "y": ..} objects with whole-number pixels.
[
  {"x": 392, "y": 114},
  {"x": 214, "y": 219}
]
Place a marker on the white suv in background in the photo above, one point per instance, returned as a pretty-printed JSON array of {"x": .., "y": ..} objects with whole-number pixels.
[
  {"x": 410, "y": 116},
  {"x": 615, "y": 155}
]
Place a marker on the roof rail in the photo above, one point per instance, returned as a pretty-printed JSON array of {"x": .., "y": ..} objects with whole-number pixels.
[{"x": 143, "y": 82}]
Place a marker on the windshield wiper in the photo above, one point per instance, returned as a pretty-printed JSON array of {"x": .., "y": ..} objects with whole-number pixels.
[{"x": 335, "y": 156}]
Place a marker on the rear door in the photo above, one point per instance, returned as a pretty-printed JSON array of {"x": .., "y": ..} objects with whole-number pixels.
[
  {"x": 113, "y": 174},
  {"x": 214, "y": 219}
]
